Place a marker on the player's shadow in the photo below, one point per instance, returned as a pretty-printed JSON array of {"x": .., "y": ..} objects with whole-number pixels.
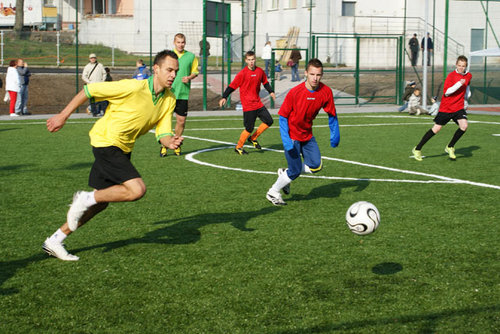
[
  {"x": 331, "y": 190},
  {"x": 186, "y": 230},
  {"x": 9, "y": 129},
  {"x": 15, "y": 167},
  {"x": 463, "y": 152},
  {"x": 9, "y": 269},
  {"x": 79, "y": 165}
]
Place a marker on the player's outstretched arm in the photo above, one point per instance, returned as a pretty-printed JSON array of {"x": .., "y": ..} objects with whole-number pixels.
[
  {"x": 171, "y": 142},
  {"x": 55, "y": 123}
]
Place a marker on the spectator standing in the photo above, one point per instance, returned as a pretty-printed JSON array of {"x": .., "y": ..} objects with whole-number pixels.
[
  {"x": 277, "y": 70},
  {"x": 430, "y": 49},
  {"x": 12, "y": 86},
  {"x": 24, "y": 80},
  {"x": 93, "y": 72},
  {"x": 141, "y": 72},
  {"x": 295, "y": 57},
  {"x": 266, "y": 55},
  {"x": 201, "y": 54},
  {"x": 413, "y": 43}
]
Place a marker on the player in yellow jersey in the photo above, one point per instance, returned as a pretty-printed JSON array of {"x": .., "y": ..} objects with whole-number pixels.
[{"x": 135, "y": 107}]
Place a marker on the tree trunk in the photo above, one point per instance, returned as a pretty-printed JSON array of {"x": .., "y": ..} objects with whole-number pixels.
[{"x": 18, "y": 26}]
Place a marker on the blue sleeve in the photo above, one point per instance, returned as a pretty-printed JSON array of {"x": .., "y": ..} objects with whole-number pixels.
[
  {"x": 285, "y": 135},
  {"x": 333, "y": 123}
]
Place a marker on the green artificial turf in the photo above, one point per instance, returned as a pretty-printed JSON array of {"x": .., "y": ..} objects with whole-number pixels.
[{"x": 205, "y": 252}]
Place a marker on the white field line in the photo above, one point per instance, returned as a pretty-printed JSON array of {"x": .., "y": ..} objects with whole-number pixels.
[{"x": 442, "y": 179}]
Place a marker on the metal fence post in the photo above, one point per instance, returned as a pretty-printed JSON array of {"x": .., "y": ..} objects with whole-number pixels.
[
  {"x": 273, "y": 65},
  {"x": 1, "y": 45},
  {"x": 58, "y": 34}
]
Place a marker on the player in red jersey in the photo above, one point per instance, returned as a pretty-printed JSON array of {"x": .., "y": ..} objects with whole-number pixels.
[
  {"x": 248, "y": 80},
  {"x": 453, "y": 104},
  {"x": 297, "y": 113}
]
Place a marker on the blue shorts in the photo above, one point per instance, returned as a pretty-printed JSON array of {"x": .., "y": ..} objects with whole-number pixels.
[{"x": 309, "y": 150}]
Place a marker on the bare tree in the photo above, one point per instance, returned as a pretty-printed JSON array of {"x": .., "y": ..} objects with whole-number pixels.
[{"x": 18, "y": 26}]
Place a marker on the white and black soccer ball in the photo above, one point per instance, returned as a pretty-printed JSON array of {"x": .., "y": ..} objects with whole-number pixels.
[{"x": 362, "y": 218}]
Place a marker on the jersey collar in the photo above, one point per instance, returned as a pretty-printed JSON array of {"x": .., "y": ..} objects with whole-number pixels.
[{"x": 155, "y": 96}]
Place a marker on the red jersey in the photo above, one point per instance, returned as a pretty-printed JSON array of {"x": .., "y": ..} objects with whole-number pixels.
[
  {"x": 301, "y": 107},
  {"x": 248, "y": 82},
  {"x": 455, "y": 101}
]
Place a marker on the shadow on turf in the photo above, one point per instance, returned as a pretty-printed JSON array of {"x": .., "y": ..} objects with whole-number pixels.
[
  {"x": 9, "y": 269},
  {"x": 15, "y": 167},
  {"x": 186, "y": 230},
  {"x": 430, "y": 321},
  {"x": 330, "y": 190},
  {"x": 463, "y": 152},
  {"x": 183, "y": 230},
  {"x": 387, "y": 268}
]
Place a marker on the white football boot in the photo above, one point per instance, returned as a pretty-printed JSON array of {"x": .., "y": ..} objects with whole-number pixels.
[
  {"x": 76, "y": 210},
  {"x": 57, "y": 249}
]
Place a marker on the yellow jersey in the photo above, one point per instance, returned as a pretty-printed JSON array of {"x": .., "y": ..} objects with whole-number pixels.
[{"x": 133, "y": 110}]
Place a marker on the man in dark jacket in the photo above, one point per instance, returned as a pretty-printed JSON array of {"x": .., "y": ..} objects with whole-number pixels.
[
  {"x": 24, "y": 80},
  {"x": 414, "y": 50}
]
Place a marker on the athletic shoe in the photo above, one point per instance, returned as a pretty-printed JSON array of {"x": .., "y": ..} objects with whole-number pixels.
[
  {"x": 57, "y": 250},
  {"x": 240, "y": 151},
  {"x": 254, "y": 143},
  {"x": 451, "y": 152},
  {"x": 163, "y": 151},
  {"x": 286, "y": 189},
  {"x": 417, "y": 154},
  {"x": 275, "y": 198},
  {"x": 14, "y": 115},
  {"x": 177, "y": 151},
  {"x": 76, "y": 210}
]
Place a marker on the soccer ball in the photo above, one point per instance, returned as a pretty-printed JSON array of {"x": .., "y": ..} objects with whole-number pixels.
[{"x": 362, "y": 218}]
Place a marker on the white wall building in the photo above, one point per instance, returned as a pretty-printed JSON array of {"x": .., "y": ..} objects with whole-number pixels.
[{"x": 101, "y": 21}]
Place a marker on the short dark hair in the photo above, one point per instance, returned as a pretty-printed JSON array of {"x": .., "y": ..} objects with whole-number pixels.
[
  {"x": 314, "y": 62},
  {"x": 462, "y": 58},
  {"x": 160, "y": 56},
  {"x": 140, "y": 61},
  {"x": 249, "y": 54},
  {"x": 12, "y": 63}
]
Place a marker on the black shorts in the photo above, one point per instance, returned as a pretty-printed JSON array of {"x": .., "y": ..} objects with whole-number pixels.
[
  {"x": 181, "y": 108},
  {"x": 442, "y": 118},
  {"x": 112, "y": 166},
  {"x": 250, "y": 116}
]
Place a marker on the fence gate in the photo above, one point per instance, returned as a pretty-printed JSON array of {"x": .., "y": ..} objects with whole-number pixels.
[{"x": 362, "y": 68}]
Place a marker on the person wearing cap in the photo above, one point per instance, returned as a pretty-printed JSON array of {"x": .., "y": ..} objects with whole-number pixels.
[
  {"x": 410, "y": 88},
  {"x": 93, "y": 72}
]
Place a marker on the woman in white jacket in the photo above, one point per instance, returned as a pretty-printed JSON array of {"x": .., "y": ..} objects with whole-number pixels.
[{"x": 12, "y": 86}]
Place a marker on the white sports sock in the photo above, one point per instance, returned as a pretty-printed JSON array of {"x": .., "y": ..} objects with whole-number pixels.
[
  {"x": 90, "y": 198},
  {"x": 282, "y": 181},
  {"x": 306, "y": 169},
  {"x": 58, "y": 236}
]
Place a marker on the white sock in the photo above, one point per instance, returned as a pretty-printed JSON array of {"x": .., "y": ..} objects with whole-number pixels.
[
  {"x": 282, "y": 181},
  {"x": 90, "y": 198},
  {"x": 306, "y": 169},
  {"x": 58, "y": 236}
]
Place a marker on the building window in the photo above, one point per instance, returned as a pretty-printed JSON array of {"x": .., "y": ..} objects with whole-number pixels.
[
  {"x": 308, "y": 3},
  {"x": 275, "y": 4},
  {"x": 291, "y": 4},
  {"x": 49, "y": 3},
  {"x": 348, "y": 8}
]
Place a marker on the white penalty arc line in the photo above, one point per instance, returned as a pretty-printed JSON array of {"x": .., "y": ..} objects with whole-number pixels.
[{"x": 441, "y": 179}]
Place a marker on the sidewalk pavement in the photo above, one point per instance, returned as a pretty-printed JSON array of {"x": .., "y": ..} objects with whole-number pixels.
[{"x": 341, "y": 109}]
